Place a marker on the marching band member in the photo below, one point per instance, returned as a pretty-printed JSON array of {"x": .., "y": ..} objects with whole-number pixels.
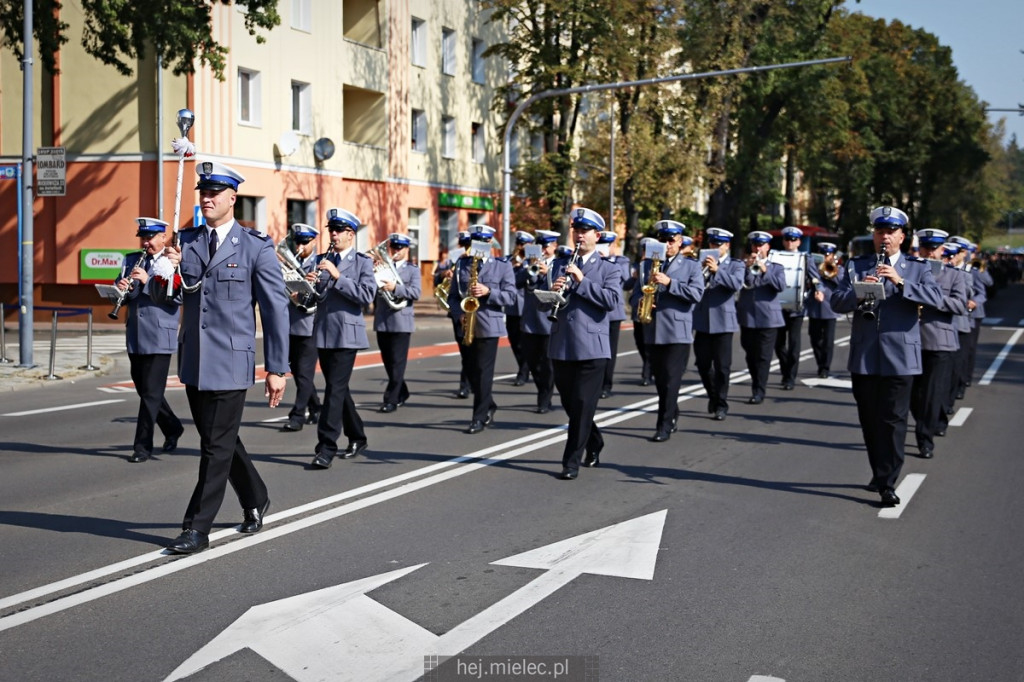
[
  {"x": 394, "y": 327},
  {"x": 638, "y": 329},
  {"x": 514, "y": 312},
  {"x": 964, "y": 323},
  {"x": 345, "y": 285},
  {"x": 226, "y": 270},
  {"x": 787, "y": 340},
  {"x": 493, "y": 289},
  {"x": 760, "y": 312},
  {"x": 885, "y": 343},
  {"x": 446, "y": 270},
  {"x": 821, "y": 325},
  {"x": 980, "y": 281},
  {"x": 714, "y": 321},
  {"x": 667, "y": 338},
  {"x": 536, "y": 326},
  {"x": 579, "y": 338},
  {"x": 938, "y": 344},
  {"x": 151, "y": 337},
  {"x": 604, "y": 245},
  {"x": 302, "y": 354}
]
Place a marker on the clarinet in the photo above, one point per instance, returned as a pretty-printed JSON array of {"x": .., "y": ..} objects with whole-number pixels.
[{"x": 128, "y": 289}]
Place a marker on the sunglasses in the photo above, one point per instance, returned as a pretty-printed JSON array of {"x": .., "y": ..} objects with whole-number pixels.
[
  {"x": 338, "y": 228},
  {"x": 791, "y": 239},
  {"x": 303, "y": 241},
  {"x": 665, "y": 238}
]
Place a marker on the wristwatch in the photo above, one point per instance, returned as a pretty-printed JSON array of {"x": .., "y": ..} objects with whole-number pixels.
[{"x": 278, "y": 374}]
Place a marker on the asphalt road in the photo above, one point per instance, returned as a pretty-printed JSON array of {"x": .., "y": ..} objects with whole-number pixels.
[{"x": 737, "y": 549}]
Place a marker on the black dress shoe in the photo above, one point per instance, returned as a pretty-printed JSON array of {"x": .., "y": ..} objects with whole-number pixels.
[
  {"x": 462, "y": 394},
  {"x": 489, "y": 419},
  {"x": 252, "y": 519},
  {"x": 605, "y": 393},
  {"x": 518, "y": 381},
  {"x": 171, "y": 442},
  {"x": 660, "y": 436},
  {"x": 872, "y": 487},
  {"x": 354, "y": 448},
  {"x": 889, "y": 498},
  {"x": 788, "y": 386},
  {"x": 823, "y": 374},
  {"x": 138, "y": 457},
  {"x": 189, "y": 542},
  {"x": 941, "y": 433},
  {"x": 568, "y": 475},
  {"x": 592, "y": 459},
  {"x": 475, "y": 426},
  {"x": 645, "y": 381},
  {"x": 960, "y": 394},
  {"x": 543, "y": 409},
  {"x": 387, "y": 407},
  {"x": 322, "y": 460},
  {"x": 292, "y": 425},
  {"x": 314, "y": 417},
  {"x": 719, "y": 415},
  {"x": 926, "y": 453},
  {"x": 672, "y": 426},
  {"x": 756, "y": 400}
]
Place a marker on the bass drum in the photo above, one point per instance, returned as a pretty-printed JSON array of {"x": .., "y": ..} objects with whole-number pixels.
[{"x": 795, "y": 265}]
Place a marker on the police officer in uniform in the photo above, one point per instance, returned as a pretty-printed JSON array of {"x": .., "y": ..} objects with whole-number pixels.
[
  {"x": 787, "y": 340},
  {"x": 760, "y": 312},
  {"x": 536, "y": 326},
  {"x": 495, "y": 288},
  {"x": 345, "y": 284},
  {"x": 151, "y": 335},
  {"x": 579, "y": 339},
  {"x": 514, "y": 312},
  {"x": 226, "y": 270},
  {"x": 302, "y": 354},
  {"x": 669, "y": 335},
  {"x": 821, "y": 325},
  {"x": 446, "y": 271},
  {"x": 604, "y": 245},
  {"x": 885, "y": 343},
  {"x": 938, "y": 344},
  {"x": 634, "y": 299},
  {"x": 714, "y": 321},
  {"x": 395, "y": 327}
]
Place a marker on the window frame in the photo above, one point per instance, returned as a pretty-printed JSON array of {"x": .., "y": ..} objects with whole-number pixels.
[
  {"x": 448, "y": 49},
  {"x": 253, "y": 100}
]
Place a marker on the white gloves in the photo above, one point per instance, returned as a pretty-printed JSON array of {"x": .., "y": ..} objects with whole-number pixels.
[{"x": 183, "y": 147}]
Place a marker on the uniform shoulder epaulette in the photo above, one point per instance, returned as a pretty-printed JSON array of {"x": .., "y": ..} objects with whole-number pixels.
[
  {"x": 190, "y": 230},
  {"x": 256, "y": 233},
  {"x": 364, "y": 255},
  {"x": 916, "y": 259},
  {"x": 504, "y": 259}
]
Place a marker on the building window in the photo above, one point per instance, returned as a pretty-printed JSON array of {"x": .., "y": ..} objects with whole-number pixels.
[
  {"x": 249, "y": 96},
  {"x": 448, "y": 137},
  {"x": 251, "y": 212},
  {"x": 447, "y": 51},
  {"x": 302, "y": 118},
  {"x": 361, "y": 21},
  {"x": 447, "y": 230},
  {"x": 419, "y": 42},
  {"x": 301, "y": 211},
  {"x": 416, "y": 220},
  {"x": 419, "y": 131},
  {"x": 478, "y": 60},
  {"x": 478, "y": 142},
  {"x": 302, "y": 15}
]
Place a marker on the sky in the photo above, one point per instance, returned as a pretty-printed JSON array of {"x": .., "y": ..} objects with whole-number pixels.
[{"x": 986, "y": 37}]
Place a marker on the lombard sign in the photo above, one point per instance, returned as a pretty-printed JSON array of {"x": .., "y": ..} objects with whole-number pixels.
[
  {"x": 51, "y": 172},
  {"x": 447, "y": 200},
  {"x": 98, "y": 266}
]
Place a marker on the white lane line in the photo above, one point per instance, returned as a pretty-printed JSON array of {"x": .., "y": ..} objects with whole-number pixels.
[
  {"x": 765, "y": 678},
  {"x": 961, "y": 416},
  {"x": 998, "y": 362},
  {"x": 905, "y": 491},
  {"x": 476, "y": 460},
  {"x": 61, "y": 408}
]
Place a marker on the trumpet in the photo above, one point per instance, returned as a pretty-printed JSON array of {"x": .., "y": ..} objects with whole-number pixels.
[
  {"x": 470, "y": 304},
  {"x": 131, "y": 283},
  {"x": 757, "y": 267},
  {"x": 573, "y": 259}
]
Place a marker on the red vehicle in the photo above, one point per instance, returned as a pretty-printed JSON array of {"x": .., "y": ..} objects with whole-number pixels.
[{"x": 813, "y": 235}]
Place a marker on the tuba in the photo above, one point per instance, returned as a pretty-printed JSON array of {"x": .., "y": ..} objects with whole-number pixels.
[
  {"x": 470, "y": 304},
  {"x": 295, "y": 277},
  {"x": 645, "y": 309},
  {"x": 384, "y": 270}
]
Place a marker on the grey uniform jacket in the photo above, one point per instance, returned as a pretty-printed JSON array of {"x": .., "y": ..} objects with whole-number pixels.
[
  {"x": 979, "y": 282},
  {"x": 300, "y": 322},
  {"x": 938, "y": 332},
  {"x": 339, "y": 311},
  {"x": 409, "y": 289},
  {"x": 623, "y": 264},
  {"x": 581, "y": 330},
  {"x": 217, "y": 341},
  {"x": 673, "y": 305},
  {"x": 151, "y": 327},
  {"x": 889, "y": 344},
  {"x": 716, "y": 311},
  {"x": 820, "y": 310},
  {"x": 758, "y": 306},
  {"x": 534, "y": 320},
  {"x": 495, "y": 274}
]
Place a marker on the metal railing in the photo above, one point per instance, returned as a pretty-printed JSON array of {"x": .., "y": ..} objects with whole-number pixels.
[{"x": 58, "y": 311}]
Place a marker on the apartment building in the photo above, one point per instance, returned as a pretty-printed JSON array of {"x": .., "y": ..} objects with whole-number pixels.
[{"x": 383, "y": 107}]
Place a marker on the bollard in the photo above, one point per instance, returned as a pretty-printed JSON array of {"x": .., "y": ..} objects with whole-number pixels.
[
  {"x": 3, "y": 337},
  {"x": 88, "y": 346},
  {"x": 53, "y": 348}
]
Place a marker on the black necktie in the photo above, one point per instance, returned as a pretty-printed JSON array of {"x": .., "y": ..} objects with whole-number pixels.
[
  {"x": 146, "y": 262},
  {"x": 213, "y": 243}
]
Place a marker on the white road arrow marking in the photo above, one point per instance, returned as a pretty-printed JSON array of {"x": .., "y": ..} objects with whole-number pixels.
[
  {"x": 339, "y": 633},
  {"x": 830, "y": 382}
]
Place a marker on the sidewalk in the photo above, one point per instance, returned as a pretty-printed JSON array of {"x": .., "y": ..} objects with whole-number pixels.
[{"x": 70, "y": 356}]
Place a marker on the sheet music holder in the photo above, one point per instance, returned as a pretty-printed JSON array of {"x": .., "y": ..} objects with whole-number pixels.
[
  {"x": 869, "y": 291},
  {"x": 109, "y": 292}
]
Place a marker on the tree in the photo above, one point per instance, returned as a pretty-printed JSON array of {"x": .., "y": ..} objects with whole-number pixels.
[{"x": 119, "y": 32}]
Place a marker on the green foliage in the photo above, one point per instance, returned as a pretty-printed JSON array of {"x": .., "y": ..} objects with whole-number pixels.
[{"x": 119, "y": 32}]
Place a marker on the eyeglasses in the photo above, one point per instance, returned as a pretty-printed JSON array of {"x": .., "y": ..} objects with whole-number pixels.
[{"x": 665, "y": 238}]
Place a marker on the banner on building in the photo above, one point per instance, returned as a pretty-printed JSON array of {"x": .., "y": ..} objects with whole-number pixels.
[{"x": 100, "y": 266}]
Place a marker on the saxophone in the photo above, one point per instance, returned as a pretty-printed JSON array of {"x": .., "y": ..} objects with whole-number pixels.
[
  {"x": 470, "y": 304},
  {"x": 645, "y": 310}
]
